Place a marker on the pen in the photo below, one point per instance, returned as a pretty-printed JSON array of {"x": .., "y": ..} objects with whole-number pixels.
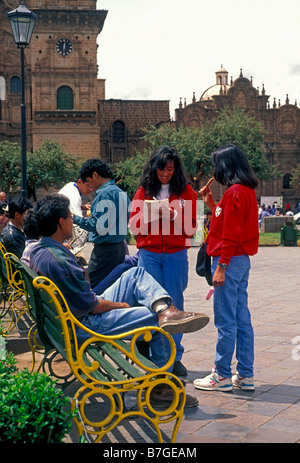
[{"x": 210, "y": 293}]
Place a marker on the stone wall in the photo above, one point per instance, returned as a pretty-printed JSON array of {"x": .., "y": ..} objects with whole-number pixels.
[{"x": 274, "y": 224}]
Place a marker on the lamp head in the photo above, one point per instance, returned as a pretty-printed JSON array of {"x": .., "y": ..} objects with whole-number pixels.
[{"x": 22, "y": 22}]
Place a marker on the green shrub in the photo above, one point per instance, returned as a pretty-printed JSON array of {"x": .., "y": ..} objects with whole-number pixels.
[{"x": 32, "y": 408}]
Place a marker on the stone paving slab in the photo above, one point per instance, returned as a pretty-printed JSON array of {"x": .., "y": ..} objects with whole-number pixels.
[{"x": 269, "y": 414}]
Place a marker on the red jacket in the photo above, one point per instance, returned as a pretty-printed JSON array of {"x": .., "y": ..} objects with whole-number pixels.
[
  {"x": 234, "y": 225},
  {"x": 169, "y": 236}
]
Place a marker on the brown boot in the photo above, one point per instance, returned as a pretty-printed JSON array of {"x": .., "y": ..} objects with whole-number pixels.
[
  {"x": 163, "y": 398},
  {"x": 176, "y": 321}
]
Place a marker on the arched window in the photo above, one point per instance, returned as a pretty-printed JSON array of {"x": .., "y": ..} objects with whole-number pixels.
[
  {"x": 64, "y": 98},
  {"x": 118, "y": 132},
  {"x": 287, "y": 181},
  {"x": 15, "y": 84}
]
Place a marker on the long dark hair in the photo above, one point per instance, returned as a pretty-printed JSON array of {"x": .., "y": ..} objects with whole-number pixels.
[
  {"x": 158, "y": 160},
  {"x": 232, "y": 166}
]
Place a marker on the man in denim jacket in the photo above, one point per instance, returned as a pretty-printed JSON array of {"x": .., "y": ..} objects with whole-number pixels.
[{"x": 108, "y": 221}]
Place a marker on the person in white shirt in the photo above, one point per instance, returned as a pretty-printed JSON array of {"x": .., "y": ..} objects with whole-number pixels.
[{"x": 74, "y": 191}]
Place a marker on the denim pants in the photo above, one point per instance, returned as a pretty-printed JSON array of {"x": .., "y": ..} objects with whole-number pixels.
[
  {"x": 104, "y": 258},
  {"x": 140, "y": 291},
  {"x": 233, "y": 320},
  {"x": 171, "y": 272}
]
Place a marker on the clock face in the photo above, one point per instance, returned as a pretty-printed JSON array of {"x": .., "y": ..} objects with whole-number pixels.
[{"x": 64, "y": 47}]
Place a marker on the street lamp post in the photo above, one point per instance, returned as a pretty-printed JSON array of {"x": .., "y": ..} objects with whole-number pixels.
[{"x": 22, "y": 22}]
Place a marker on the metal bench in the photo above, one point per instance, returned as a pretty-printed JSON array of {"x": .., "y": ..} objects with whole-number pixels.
[
  {"x": 25, "y": 278},
  {"x": 108, "y": 367},
  {"x": 12, "y": 293}
]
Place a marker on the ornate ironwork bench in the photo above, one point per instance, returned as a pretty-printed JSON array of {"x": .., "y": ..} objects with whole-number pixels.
[{"x": 107, "y": 367}]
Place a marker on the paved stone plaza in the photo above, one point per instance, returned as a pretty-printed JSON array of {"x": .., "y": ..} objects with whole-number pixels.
[{"x": 269, "y": 414}]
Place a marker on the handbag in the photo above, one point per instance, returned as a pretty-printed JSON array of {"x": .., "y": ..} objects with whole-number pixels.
[{"x": 203, "y": 264}]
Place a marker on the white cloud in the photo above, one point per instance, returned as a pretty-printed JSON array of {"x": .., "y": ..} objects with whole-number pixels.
[{"x": 167, "y": 49}]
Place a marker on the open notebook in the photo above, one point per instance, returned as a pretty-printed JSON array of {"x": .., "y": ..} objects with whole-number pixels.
[{"x": 152, "y": 208}]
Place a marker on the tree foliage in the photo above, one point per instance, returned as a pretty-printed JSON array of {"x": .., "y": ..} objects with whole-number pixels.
[
  {"x": 127, "y": 173},
  {"x": 296, "y": 175},
  {"x": 237, "y": 126},
  {"x": 10, "y": 166},
  {"x": 48, "y": 166},
  {"x": 195, "y": 145}
]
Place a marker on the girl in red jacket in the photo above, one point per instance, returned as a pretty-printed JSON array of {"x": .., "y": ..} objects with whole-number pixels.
[
  {"x": 163, "y": 229},
  {"x": 232, "y": 238}
]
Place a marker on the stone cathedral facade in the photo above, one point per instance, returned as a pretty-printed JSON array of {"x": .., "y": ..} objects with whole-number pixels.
[
  {"x": 281, "y": 121},
  {"x": 65, "y": 97}
]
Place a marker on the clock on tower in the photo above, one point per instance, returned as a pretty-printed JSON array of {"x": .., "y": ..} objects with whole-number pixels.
[{"x": 64, "y": 47}]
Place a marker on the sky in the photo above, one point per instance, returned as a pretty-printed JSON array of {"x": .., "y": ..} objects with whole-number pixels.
[{"x": 167, "y": 49}]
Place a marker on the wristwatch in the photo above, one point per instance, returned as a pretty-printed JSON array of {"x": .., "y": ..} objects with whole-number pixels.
[{"x": 223, "y": 266}]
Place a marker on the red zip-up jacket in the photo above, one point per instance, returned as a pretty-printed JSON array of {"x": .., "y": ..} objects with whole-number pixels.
[
  {"x": 234, "y": 225},
  {"x": 175, "y": 235}
]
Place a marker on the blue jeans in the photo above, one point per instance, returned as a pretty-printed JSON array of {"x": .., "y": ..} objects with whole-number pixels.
[
  {"x": 130, "y": 261},
  {"x": 140, "y": 291},
  {"x": 171, "y": 272},
  {"x": 233, "y": 320}
]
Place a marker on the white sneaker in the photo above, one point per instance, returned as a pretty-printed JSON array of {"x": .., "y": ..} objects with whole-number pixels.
[
  {"x": 213, "y": 382},
  {"x": 246, "y": 384}
]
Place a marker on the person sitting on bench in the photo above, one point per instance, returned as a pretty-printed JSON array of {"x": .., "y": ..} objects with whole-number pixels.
[{"x": 135, "y": 300}]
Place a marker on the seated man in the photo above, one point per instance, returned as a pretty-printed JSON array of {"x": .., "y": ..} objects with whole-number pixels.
[
  {"x": 32, "y": 235},
  {"x": 12, "y": 235},
  {"x": 135, "y": 300}
]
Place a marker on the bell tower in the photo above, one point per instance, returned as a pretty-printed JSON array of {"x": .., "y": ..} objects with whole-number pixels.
[
  {"x": 62, "y": 88},
  {"x": 222, "y": 76}
]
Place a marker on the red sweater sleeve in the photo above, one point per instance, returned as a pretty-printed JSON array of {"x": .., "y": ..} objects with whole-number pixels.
[
  {"x": 136, "y": 220},
  {"x": 234, "y": 226}
]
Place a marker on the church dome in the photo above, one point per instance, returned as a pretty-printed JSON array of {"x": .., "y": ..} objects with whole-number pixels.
[
  {"x": 221, "y": 86},
  {"x": 216, "y": 89}
]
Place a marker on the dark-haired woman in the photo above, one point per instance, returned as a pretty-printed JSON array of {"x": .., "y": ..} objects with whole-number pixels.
[
  {"x": 163, "y": 240},
  {"x": 233, "y": 237}
]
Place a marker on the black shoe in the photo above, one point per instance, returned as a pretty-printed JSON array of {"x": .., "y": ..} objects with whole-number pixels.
[
  {"x": 143, "y": 348},
  {"x": 179, "y": 369}
]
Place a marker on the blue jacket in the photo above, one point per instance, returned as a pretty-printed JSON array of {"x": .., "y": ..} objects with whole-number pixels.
[{"x": 109, "y": 215}]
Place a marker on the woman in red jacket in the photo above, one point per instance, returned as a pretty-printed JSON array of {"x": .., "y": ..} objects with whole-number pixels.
[
  {"x": 232, "y": 238},
  {"x": 163, "y": 229}
]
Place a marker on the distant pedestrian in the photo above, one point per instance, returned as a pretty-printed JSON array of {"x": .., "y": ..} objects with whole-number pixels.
[
  {"x": 12, "y": 235},
  {"x": 3, "y": 198}
]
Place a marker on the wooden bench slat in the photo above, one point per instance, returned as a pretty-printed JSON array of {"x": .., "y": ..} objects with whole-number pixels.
[
  {"x": 119, "y": 360},
  {"x": 148, "y": 363},
  {"x": 97, "y": 373},
  {"x": 111, "y": 371}
]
